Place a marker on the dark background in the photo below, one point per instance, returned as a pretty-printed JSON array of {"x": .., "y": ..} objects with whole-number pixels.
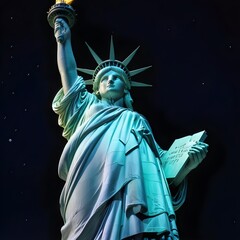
[{"x": 194, "y": 48}]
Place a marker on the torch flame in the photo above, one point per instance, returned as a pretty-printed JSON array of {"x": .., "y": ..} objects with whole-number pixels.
[
  {"x": 64, "y": 1},
  {"x": 68, "y": 1}
]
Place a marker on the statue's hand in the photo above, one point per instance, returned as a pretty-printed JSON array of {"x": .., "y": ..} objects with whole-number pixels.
[
  {"x": 196, "y": 154},
  {"x": 61, "y": 30}
]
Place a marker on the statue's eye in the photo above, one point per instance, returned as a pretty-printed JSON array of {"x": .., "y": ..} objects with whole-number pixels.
[
  {"x": 117, "y": 77},
  {"x": 103, "y": 79}
]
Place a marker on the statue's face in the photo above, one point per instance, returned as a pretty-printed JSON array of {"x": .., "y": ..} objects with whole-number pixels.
[{"x": 111, "y": 86}]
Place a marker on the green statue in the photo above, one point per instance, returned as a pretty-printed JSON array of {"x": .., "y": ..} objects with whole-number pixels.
[{"x": 115, "y": 186}]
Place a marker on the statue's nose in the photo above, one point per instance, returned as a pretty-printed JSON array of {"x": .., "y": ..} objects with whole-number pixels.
[{"x": 110, "y": 79}]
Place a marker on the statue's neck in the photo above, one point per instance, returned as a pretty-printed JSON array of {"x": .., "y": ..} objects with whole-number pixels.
[{"x": 112, "y": 102}]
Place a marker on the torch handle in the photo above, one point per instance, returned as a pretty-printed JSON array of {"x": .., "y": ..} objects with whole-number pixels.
[
  {"x": 61, "y": 10},
  {"x": 58, "y": 31}
]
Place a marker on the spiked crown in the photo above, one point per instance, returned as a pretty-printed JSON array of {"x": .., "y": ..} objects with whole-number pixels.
[{"x": 115, "y": 65}]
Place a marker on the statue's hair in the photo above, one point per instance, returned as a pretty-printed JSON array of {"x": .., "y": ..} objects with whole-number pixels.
[{"x": 128, "y": 101}]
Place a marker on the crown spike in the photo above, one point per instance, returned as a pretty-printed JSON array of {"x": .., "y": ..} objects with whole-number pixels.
[
  {"x": 87, "y": 71},
  {"x": 137, "y": 71},
  {"x": 112, "y": 51},
  {"x": 129, "y": 58},
  {"x": 95, "y": 56},
  {"x": 138, "y": 84},
  {"x": 89, "y": 82}
]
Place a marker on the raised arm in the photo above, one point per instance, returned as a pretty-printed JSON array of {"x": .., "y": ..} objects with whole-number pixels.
[{"x": 65, "y": 58}]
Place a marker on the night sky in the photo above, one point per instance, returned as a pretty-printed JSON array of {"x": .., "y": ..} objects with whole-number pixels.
[{"x": 194, "y": 50}]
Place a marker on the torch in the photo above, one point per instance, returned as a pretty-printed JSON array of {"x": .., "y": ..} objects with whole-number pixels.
[{"x": 62, "y": 9}]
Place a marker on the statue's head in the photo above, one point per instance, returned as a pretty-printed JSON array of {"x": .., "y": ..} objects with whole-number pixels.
[
  {"x": 118, "y": 69},
  {"x": 107, "y": 68},
  {"x": 111, "y": 84}
]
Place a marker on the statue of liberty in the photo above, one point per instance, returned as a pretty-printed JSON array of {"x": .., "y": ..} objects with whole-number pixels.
[{"x": 115, "y": 186}]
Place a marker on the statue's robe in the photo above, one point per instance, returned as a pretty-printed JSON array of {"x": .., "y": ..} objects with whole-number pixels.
[{"x": 110, "y": 164}]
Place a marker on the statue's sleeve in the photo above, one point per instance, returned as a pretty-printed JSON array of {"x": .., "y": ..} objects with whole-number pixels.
[
  {"x": 178, "y": 193},
  {"x": 161, "y": 152},
  {"x": 71, "y": 107}
]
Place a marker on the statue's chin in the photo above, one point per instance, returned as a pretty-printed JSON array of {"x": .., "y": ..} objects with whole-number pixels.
[{"x": 112, "y": 95}]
